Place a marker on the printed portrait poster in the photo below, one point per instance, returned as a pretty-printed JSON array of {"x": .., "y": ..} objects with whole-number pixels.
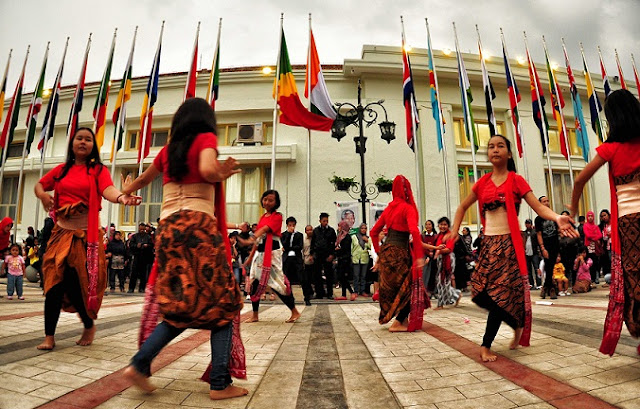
[
  {"x": 350, "y": 212},
  {"x": 375, "y": 210}
]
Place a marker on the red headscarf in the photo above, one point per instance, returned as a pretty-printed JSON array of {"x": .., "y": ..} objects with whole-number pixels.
[
  {"x": 591, "y": 230},
  {"x": 5, "y": 238}
]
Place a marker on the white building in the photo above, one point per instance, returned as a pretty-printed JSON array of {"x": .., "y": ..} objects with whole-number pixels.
[{"x": 246, "y": 98}]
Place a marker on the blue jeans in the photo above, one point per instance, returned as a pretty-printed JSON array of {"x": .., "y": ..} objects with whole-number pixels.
[
  {"x": 14, "y": 282},
  {"x": 237, "y": 274},
  {"x": 164, "y": 333},
  {"x": 360, "y": 278}
]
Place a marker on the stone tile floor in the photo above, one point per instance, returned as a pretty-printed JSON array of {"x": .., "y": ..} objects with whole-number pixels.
[{"x": 335, "y": 356}]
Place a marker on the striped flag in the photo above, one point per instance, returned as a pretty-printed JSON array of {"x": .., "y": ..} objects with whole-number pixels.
[
  {"x": 467, "y": 99},
  {"x": 635, "y": 74},
  {"x": 11, "y": 121},
  {"x": 605, "y": 77},
  {"x": 436, "y": 107},
  {"x": 514, "y": 99},
  {"x": 124, "y": 95},
  {"x": 557, "y": 102},
  {"x": 76, "y": 104},
  {"x": 3, "y": 86},
  {"x": 538, "y": 104},
  {"x": 594, "y": 102},
  {"x": 150, "y": 97},
  {"x": 190, "y": 86},
  {"x": 314, "y": 86},
  {"x": 489, "y": 93},
  {"x": 581, "y": 128},
  {"x": 622, "y": 83},
  {"x": 409, "y": 99},
  {"x": 214, "y": 79},
  {"x": 48, "y": 125},
  {"x": 36, "y": 104},
  {"x": 100, "y": 107}
]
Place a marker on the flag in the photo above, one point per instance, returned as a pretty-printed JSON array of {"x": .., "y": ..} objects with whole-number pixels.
[
  {"x": 36, "y": 105},
  {"x": 489, "y": 93},
  {"x": 622, "y": 83},
  {"x": 190, "y": 87},
  {"x": 581, "y": 128},
  {"x": 514, "y": 99},
  {"x": 594, "y": 102},
  {"x": 11, "y": 121},
  {"x": 3, "y": 86},
  {"x": 409, "y": 99},
  {"x": 538, "y": 104},
  {"x": 467, "y": 98},
  {"x": 557, "y": 102},
  {"x": 48, "y": 125},
  {"x": 150, "y": 97},
  {"x": 635, "y": 74},
  {"x": 124, "y": 95},
  {"x": 292, "y": 112},
  {"x": 314, "y": 86},
  {"x": 436, "y": 108},
  {"x": 76, "y": 104},
  {"x": 214, "y": 80},
  {"x": 100, "y": 107},
  {"x": 605, "y": 77}
]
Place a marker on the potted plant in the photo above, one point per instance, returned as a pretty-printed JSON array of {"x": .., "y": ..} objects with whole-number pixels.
[
  {"x": 341, "y": 183},
  {"x": 383, "y": 184}
]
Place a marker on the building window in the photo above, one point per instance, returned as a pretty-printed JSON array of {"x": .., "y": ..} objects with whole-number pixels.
[
  {"x": 482, "y": 128},
  {"x": 9, "y": 202},
  {"x": 159, "y": 139},
  {"x": 554, "y": 141},
  {"x": 149, "y": 210},
  {"x": 15, "y": 150},
  {"x": 466, "y": 180},
  {"x": 243, "y": 192},
  {"x": 562, "y": 188},
  {"x": 228, "y": 134}
]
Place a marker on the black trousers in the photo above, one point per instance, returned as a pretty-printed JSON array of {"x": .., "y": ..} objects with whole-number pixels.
[
  {"x": 290, "y": 268},
  {"x": 404, "y": 312},
  {"x": 494, "y": 320},
  {"x": 548, "y": 267},
  {"x": 306, "y": 279},
  {"x": 288, "y": 300},
  {"x": 345, "y": 271},
  {"x": 139, "y": 271},
  {"x": 320, "y": 265},
  {"x": 70, "y": 286},
  {"x": 112, "y": 278}
]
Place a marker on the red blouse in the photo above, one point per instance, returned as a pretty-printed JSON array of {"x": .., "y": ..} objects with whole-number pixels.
[
  {"x": 623, "y": 158},
  {"x": 200, "y": 143},
  {"x": 491, "y": 196},
  {"x": 401, "y": 218},
  {"x": 74, "y": 187},
  {"x": 274, "y": 221}
]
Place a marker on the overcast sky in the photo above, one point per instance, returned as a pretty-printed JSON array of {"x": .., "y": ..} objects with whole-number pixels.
[{"x": 341, "y": 27}]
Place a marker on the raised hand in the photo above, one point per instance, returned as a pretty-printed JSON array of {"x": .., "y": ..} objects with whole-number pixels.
[{"x": 227, "y": 168}]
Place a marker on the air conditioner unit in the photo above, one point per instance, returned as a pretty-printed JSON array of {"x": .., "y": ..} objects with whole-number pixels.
[{"x": 249, "y": 133}]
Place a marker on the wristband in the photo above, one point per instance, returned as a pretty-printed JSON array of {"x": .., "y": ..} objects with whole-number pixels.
[{"x": 119, "y": 196}]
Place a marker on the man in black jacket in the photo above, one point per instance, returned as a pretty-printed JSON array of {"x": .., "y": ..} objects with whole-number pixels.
[
  {"x": 532, "y": 253},
  {"x": 141, "y": 247},
  {"x": 323, "y": 249},
  {"x": 292, "y": 242}
]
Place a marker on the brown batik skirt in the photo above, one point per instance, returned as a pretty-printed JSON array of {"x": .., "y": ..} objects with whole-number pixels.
[
  {"x": 496, "y": 281},
  {"x": 394, "y": 268},
  {"x": 629, "y": 230},
  {"x": 195, "y": 285}
]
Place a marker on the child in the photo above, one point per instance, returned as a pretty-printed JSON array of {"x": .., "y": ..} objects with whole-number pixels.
[
  {"x": 583, "y": 266},
  {"x": 559, "y": 278},
  {"x": 16, "y": 266}
]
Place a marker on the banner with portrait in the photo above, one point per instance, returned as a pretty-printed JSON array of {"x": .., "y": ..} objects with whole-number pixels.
[
  {"x": 375, "y": 210},
  {"x": 350, "y": 212}
]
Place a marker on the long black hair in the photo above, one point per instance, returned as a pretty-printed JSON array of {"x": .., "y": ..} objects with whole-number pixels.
[
  {"x": 622, "y": 110},
  {"x": 193, "y": 117},
  {"x": 511, "y": 164},
  {"x": 92, "y": 160},
  {"x": 276, "y": 195}
]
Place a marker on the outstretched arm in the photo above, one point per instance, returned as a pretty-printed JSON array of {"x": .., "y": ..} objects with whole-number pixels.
[
  {"x": 565, "y": 223},
  {"x": 457, "y": 221},
  {"x": 583, "y": 177}
]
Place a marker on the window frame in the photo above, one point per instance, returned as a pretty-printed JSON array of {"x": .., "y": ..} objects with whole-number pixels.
[
  {"x": 5, "y": 207},
  {"x": 464, "y": 189},
  {"x": 460, "y": 134}
]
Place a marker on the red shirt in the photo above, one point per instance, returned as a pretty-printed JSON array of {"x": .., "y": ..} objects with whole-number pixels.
[
  {"x": 200, "y": 143},
  {"x": 623, "y": 158},
  {"x": 274, "y": 221},
  {"x": 74, "y": 187},
  {"x": 401, "y": 218}
]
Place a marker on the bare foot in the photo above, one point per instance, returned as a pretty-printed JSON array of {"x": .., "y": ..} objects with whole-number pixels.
[
  {"x": 48, "y": 344},
  {"x": 227, "y": 393},
  {"x": 398, "y": 326},
  {"x": 439, "y": 308},
  {"x": 487, "y": 355},
  {"x": 138, "y": 379},
  {"x": 517, "y": 333},
  {"x": 458, "y": 300},
  {"x": 295, "y": 314},
  {"x": 87, "y": 336},
  {"x": 254, "y": 318}
]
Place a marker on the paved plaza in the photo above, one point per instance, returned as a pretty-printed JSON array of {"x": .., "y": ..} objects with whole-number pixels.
[{"x": 335, "y": 356}]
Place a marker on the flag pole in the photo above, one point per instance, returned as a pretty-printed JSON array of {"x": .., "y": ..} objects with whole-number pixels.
[
  {"x": 116, "y": 142},
  {"x": 213, "y": 65},
  {"x": 26, "y": 140},
  {"x": 272, "y": 181},
  {"x": 194, "y": 57},
  {"x": 6, "y": 72},
  {"x": 440, "y": 124},
  {"x": 564, "y": 125},
  {"x": 584, "y": 60},
  {"x": 3, "y": 165},
  {"x": 45, "y": 131},
  {"x": 517, "y": 128},
  {"x": 635, "y": 73},
  {"x": 488, "y": 101},
  {"x": 543, "y": 119},
  {"x": 309, "y": 135},
  {"x": 469, "y": 127},
  {"x": 623, "y": 84},
  {"x": 73, "y": 105}
]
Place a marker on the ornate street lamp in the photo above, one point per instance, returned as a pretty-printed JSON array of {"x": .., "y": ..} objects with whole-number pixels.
[{"x": 361, "y": 116}]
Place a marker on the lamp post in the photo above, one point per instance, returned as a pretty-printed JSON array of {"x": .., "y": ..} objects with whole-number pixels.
[{"x": 349, "y": 114}]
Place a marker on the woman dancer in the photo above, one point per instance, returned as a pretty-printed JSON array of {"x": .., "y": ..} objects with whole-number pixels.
[
  {"x": 344, "y": 269},
  {"x": 399, "y": 264},
  {"x": 499, "y": 283},
  {"x": 447, "y": 293},
  {"x": 429, "y": 237},
  {"x": 192, "y": 284},
  {"x": 622, "y": 151},
  {"x": 74, "y": 267},
  {"x": 266, "y": 258}
]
